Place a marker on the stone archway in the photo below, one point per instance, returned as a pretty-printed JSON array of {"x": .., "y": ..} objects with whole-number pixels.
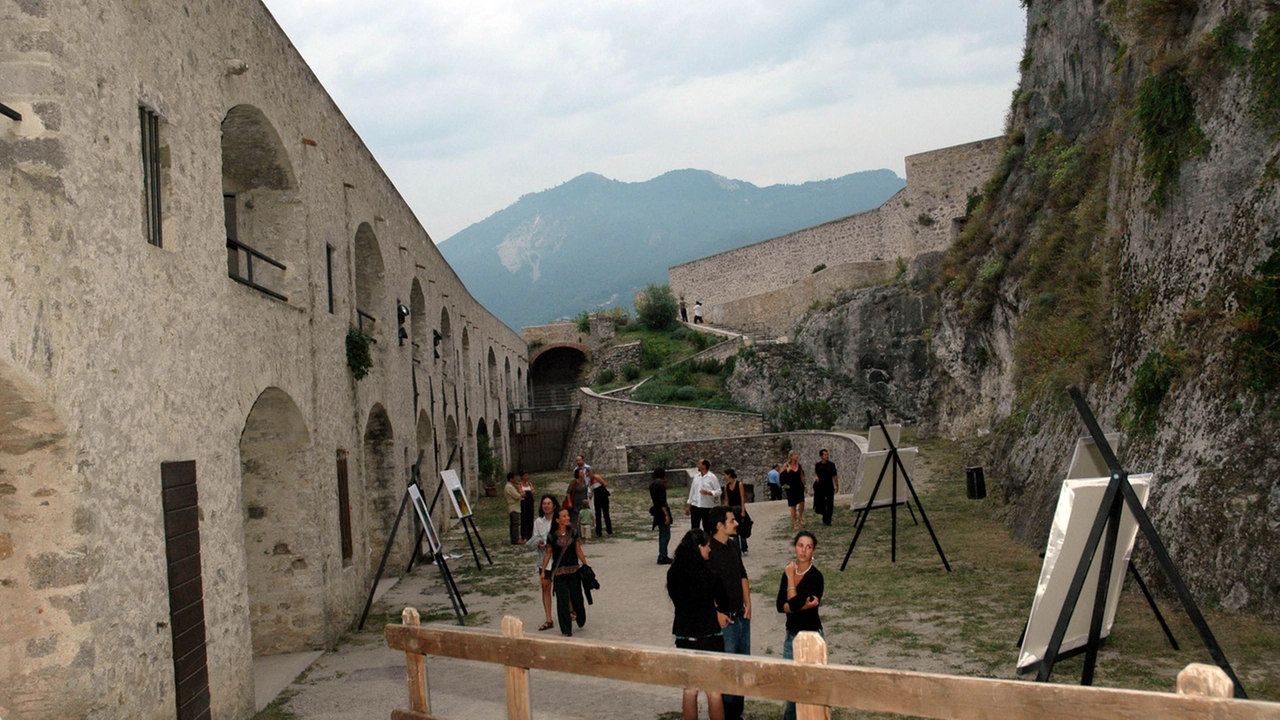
[
  {"x": 43, "y": 560},
  {"x": 382, "y": 485},
  {"x": 283, "y": 558},
  {"x": 555, "y": 374},
  {"x": 370, "y": 269}
]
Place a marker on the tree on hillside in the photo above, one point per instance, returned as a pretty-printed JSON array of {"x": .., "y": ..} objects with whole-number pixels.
[{"x": 657, "y": 309}]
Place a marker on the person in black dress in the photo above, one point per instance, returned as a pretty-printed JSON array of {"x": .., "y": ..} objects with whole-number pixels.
[
  {"x": 826, "y": 483},
  {"x": 792, "y": 476},
  {"x": 698, "y": 623},
  {"x": 799, "y": 595}
]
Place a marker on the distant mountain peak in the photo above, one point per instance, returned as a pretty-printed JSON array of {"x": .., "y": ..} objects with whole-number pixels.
[{"x": 591, "y": 240}]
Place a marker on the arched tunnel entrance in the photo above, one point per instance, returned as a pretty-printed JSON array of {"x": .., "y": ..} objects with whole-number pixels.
[{"x": 555, "y": 375}]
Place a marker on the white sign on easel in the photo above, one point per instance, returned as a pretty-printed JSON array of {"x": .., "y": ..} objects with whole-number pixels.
[{"x": 457, "y": 496}]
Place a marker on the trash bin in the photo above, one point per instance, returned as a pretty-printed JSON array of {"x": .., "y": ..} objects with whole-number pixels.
[{"x": 975, "y": 483}]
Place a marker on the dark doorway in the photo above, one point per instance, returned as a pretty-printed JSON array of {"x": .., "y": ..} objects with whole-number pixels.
[
  {"x": 181, "y": 505},
  {"x": 556, "y": 375}
]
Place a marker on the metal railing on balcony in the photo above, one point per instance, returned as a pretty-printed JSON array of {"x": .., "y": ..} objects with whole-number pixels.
[{"x": 237, "y": 249}]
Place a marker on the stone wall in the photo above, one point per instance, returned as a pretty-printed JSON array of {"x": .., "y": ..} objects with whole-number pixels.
[
  {"x": 557, "y": 333},
  {"x": 121, "y": 355},
  {"x": 775, "y": 312},
  {"x": 617, "y": 357},
  {"x": 920, "y": 218},
  {"x": 606, "y": 425}
]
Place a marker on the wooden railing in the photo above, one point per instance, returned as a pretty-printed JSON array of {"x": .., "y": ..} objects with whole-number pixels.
[{"x": 1204, "y": 691}]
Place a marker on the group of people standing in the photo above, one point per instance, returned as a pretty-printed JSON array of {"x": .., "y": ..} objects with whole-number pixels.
[{"x": 790, "y": 479}]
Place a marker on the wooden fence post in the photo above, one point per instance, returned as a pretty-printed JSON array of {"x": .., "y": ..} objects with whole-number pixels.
[
  {"x": 517, "y": 677},
  {"x": 415, "y": 668},
  {"x": 809, "y": 647},
  {"x": 1205, "y": 681}
]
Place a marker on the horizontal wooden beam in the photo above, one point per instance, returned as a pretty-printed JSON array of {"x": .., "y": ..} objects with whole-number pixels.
[{"x": 870, "y": 689}]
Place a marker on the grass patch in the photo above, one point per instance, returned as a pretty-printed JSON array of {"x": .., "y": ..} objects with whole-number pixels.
[
  {"x": 701, "y": 384},
  {"x": 1264, "y": 72},
  {"x": 1166, "y": 118},
  {"x": 1258, "y": 322}
]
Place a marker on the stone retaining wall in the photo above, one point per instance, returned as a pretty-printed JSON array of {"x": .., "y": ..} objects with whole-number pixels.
[
  {"x": 775, "y": 312},
  {"x": 753, "y": 455}
]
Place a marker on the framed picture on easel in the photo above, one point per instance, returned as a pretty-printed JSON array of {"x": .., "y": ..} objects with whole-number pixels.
[
  {"x": 457, "y": 496},
  {"x": 428, "y": 528}
]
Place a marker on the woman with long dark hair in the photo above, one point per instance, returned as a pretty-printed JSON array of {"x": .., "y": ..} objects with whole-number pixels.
[
  {"x": 735, "y": 496},
  {"x": 799, "y": 595},
  {"x": 698, "y": 625},
  {"x": 541, "y": 534},
  {"x": 564, "y": 553},
  {"x": 792, "y": 476}
]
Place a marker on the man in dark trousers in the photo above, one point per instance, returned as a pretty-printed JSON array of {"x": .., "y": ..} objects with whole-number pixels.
[
  {"x": 726, "y": 564},
  {"x": 661, "y": 513},
  {"x": 826, "y": 484}
]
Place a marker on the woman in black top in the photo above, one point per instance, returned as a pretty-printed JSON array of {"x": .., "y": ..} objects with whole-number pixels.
[
  {"x": 735, "y": 496},
  {"x": 792, "y": 478},
  {"x": 799, "y": 594},
  {"x": 564, "y": 552},
  {"x": 698, "y": 625}
]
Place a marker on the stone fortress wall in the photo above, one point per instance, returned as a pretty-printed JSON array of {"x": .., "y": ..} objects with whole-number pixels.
[
  {"x": 119, "y": 355},
  {"x": 922, "y": 217}
]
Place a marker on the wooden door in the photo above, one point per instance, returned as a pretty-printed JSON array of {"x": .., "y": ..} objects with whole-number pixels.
[{"x": 186, "y": 589}]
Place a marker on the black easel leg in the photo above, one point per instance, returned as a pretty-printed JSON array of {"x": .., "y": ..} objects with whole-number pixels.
[
  {"x": 454, "y": 596},
  {"x": 862, "y": 520},
  {"x": 1100, "y": 594},
  {"x": 454, "y": 584},
  {"x": 1173, "y": 642},
  {"x": 925, "y": 518},
  {"x": 480, "y": 539},
  {"x": 417, "y": 546},
  {"x": 914, "y": 521},
  {"x": 474, "y": 554},
  {"x": 1171, "y": 571},
  {"x": 382, "y": 565},
  {"x": 893, "y": 508}
]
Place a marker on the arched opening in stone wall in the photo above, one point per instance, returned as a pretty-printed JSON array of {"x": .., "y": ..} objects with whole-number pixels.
[
  {"x": 521, "y": 390},
  {"x": 260, "y": 206},
  {"x": 486, "y": 458},
  {"x": 43, "y": 560},
  {"x": 283, "y": 562},
  {"x": 369, "y": 273},
  {"x": 452, "y": 450},
  {"x": 381, "y": 482},
  {"x": 445, "y": 351},
  {"x": 467, "y": 371},
  {"x": 555, "y": 375},
  {"x": 506, "y": 383},
  {"x": 493, "y": 374},
  {"x": 418, "y": 332},
  {"x": 499, "y": 449}
]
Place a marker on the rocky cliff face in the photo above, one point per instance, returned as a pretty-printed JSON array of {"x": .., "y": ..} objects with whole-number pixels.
[{"x": 1130, "y": 244}]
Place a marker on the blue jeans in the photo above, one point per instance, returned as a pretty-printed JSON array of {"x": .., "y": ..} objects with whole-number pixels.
[
  {"x": 664, "y": 539},
  {"x": 737, "y": 640},
  {"x": 790, "y": 712}
]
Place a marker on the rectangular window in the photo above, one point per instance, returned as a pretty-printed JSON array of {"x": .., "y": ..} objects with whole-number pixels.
[
  {"x": 151, "y": 173},
  {"x": 328, "y": 273}
]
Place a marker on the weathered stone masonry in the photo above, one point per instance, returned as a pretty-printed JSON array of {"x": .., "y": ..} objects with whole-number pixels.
[{"x": 117, "y": 355}]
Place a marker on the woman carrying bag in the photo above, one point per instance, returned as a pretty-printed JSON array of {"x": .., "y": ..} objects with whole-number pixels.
[{"x": 564, "y": 552}]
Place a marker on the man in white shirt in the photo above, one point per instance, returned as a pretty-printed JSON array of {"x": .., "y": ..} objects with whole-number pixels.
[{"x": 704, "y": 494}]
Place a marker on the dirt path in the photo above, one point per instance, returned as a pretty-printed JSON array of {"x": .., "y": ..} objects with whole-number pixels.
[{"x": 362, "y": 678}]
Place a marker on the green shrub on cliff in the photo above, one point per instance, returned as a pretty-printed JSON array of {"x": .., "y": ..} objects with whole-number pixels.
[{"x": 1167, "y": 126}]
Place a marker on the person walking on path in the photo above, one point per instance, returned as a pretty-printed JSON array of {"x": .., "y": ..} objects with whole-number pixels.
[
  {"x": 792, "y": 477},
  {"x": 661, "y": 513},
  {"x": 576, "y": 500},
  {"x": 541, "y": 534},
  {"x": 511, "y": 491},
  {"x": 704, "y": 494},
  {"x": 826, "y": 483},
  {"x": 697, "y": 312},
  {"x": 684, "y": 312},
  {"x": 799, "y": 595},
  {"x": 564, "y": 553},
  {"x": 527, "y": 511},
  {"x": 774, "y": 483},
  {"x": 726, "y": 563},
  {"x": 735, "y": 497},
  {"x": 600, "y": 502},
  {"x": 698, "y": 624}
]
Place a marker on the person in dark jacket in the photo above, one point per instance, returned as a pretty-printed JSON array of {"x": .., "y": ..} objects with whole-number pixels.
[
  {"x": 698, "y": 624},
  {"x": 799, "y": 595},
  {"x": 661, "y": 513}
]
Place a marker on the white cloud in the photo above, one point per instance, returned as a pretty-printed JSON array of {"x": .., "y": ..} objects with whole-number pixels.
[{"x": 470, "y": 105}]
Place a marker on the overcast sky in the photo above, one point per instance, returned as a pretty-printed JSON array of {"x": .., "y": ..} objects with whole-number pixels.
[{"x": 469, "y": 105}]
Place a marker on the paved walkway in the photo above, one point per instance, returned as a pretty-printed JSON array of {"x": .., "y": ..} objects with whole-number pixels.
[{"x": 363, "y": 679}]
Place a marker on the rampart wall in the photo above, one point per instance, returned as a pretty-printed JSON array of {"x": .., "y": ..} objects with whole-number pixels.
[
  {"x": 921, "y": 217},
  {"x": 121, "y": 356},
  {"x": 775, "y": 312}
]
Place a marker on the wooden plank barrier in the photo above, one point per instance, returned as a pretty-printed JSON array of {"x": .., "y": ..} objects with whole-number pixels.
[{"x": 812, "y": 684}]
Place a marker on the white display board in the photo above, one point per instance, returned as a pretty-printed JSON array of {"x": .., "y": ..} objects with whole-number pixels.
[
  {"x": 457, "y": 496},
  {"x": 424, "y": 517},
  {"x": 1086, "y": 460},
  {"x": 865, "y": 483},
  {"x": 876, "y": 440},
  {"x": 1078, "y": 505}
]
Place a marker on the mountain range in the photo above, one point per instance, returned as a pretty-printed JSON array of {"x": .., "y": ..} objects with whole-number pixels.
[{"x": 593, "y": 242}]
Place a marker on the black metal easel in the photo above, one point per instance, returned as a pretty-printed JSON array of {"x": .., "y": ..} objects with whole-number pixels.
[
  {"x": 386, "y": 552},
  {"x": 1118, "y": 495},
  {"x": 470, "y": 519},
  {"x": 893, "y": 466},
  {"x": 450, "y": 586}
]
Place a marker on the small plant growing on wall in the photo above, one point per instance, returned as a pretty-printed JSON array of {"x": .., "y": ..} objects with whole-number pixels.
[{"x": 359, "y": 358}]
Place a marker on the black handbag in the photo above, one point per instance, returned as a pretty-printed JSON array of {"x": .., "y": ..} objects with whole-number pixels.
[{"x": 744, "y": 526}]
